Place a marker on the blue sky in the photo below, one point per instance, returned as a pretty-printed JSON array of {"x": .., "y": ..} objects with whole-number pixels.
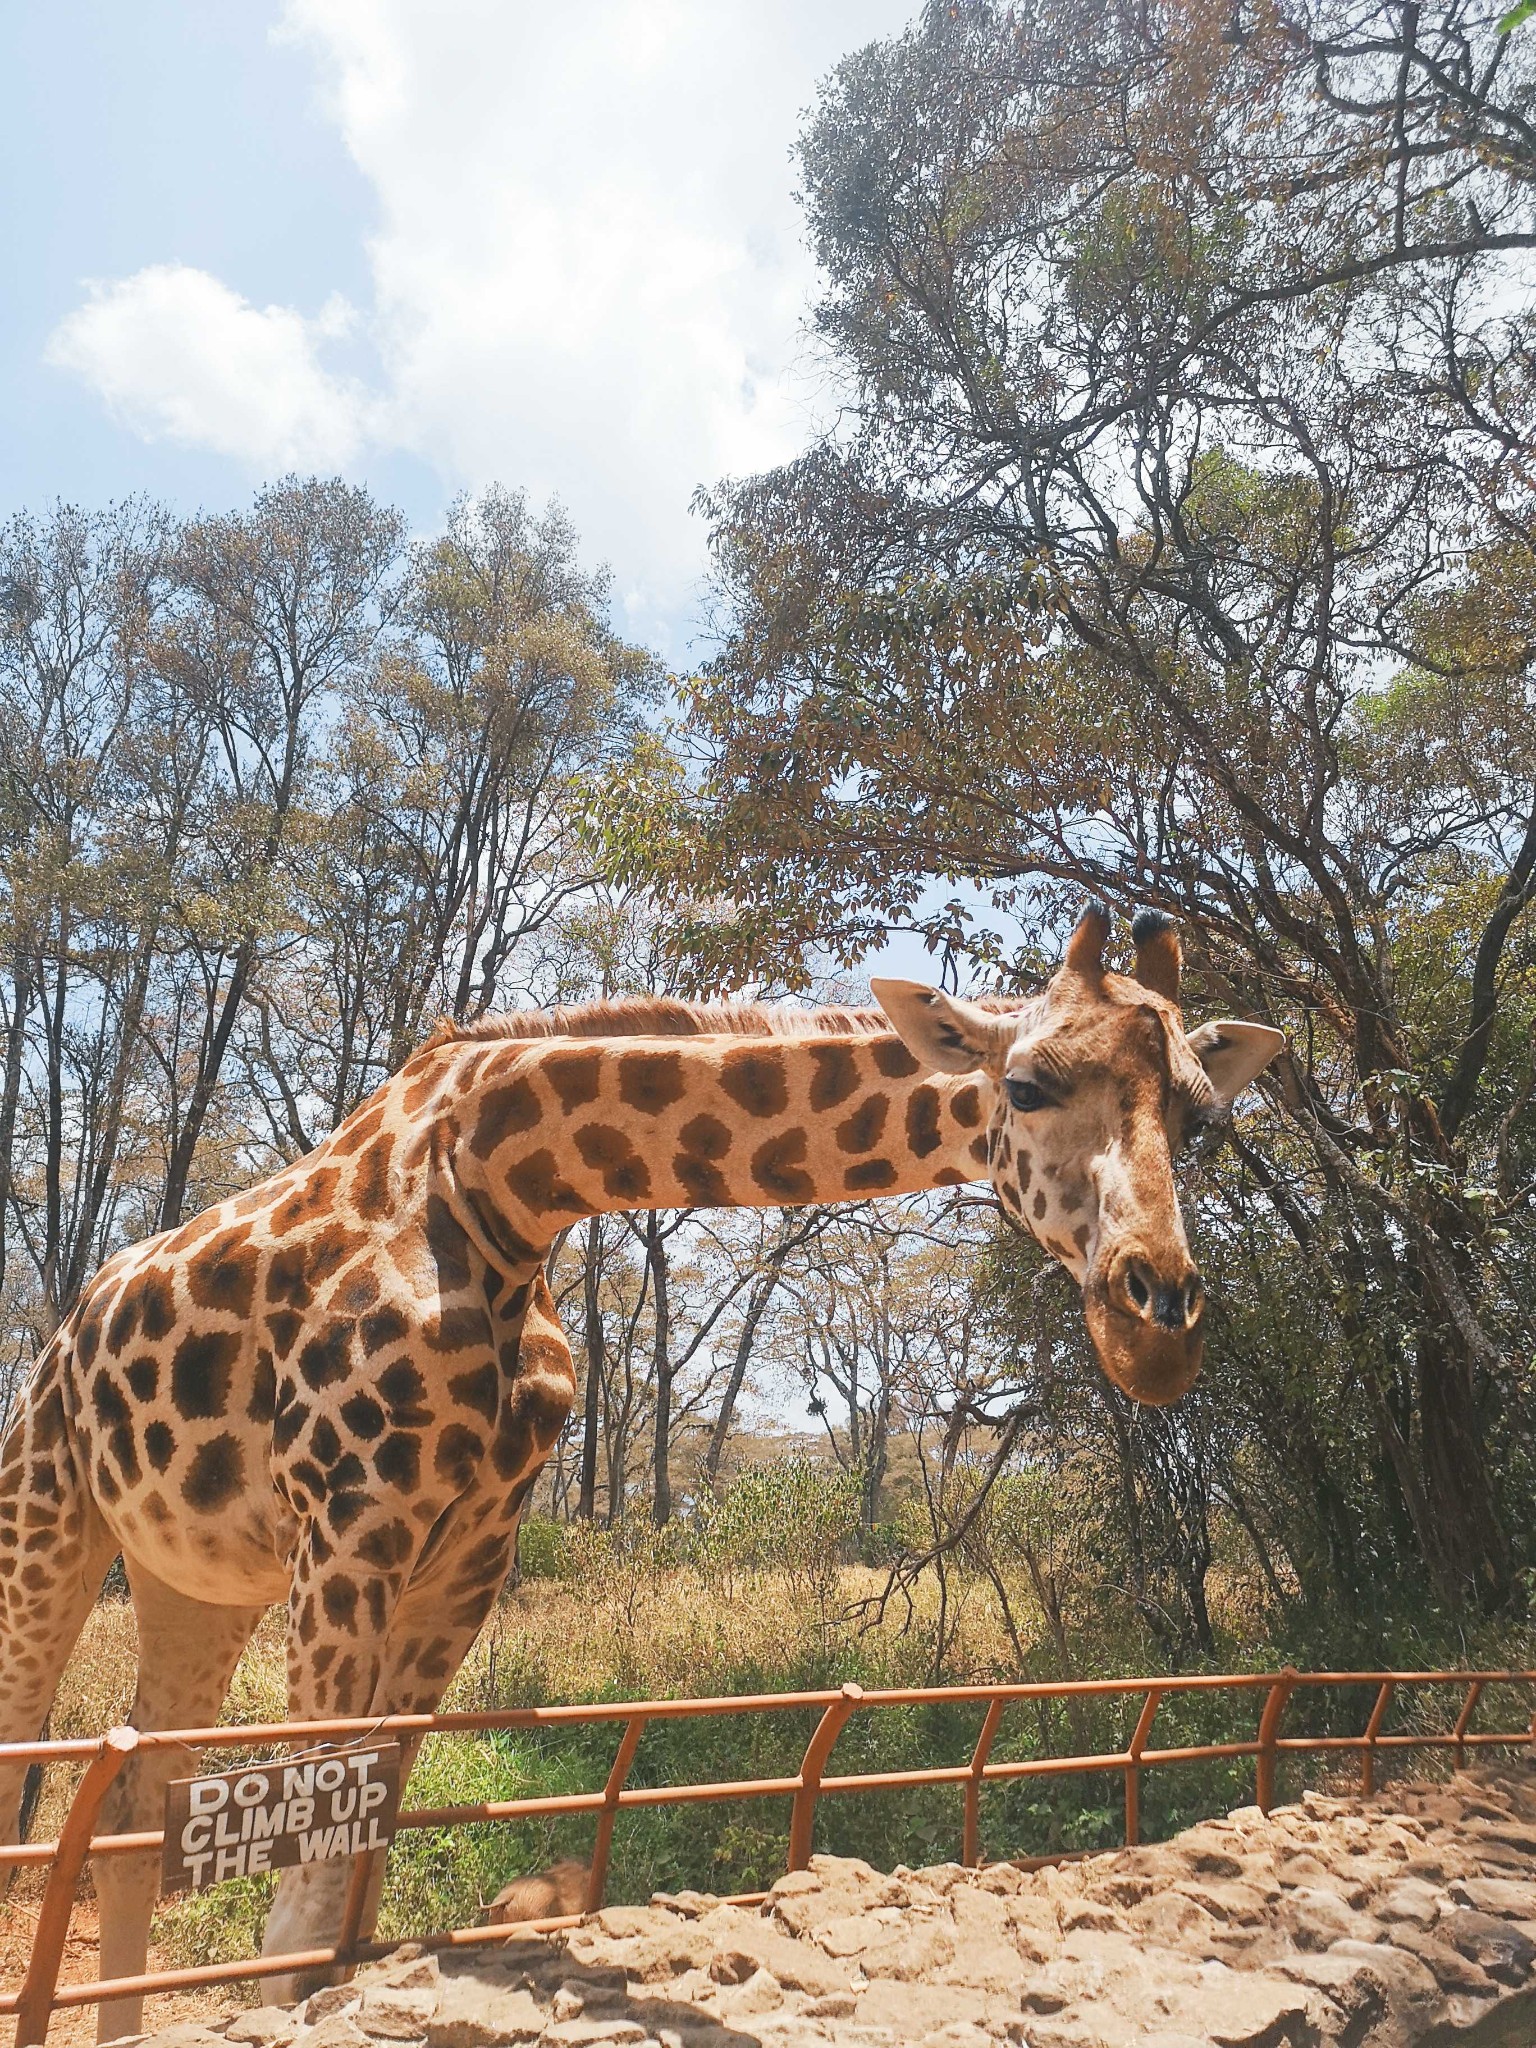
[{"x": 426, "y": 243}]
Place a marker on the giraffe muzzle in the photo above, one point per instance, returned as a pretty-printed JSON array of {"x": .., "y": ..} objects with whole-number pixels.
[{"x": 1147, "y": 1325}]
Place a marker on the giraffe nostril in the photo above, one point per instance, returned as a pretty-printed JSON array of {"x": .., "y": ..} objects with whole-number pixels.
[
  {"x": 1137, "y": 1288},
  {"x": 1194, "y": 1297}
]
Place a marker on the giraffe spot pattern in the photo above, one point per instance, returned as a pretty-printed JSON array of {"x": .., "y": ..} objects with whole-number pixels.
[
  {"x": 575, "y": 1075},
  {"x": 755, "y": 1081},
  {"x": 892, "y": 1059},
  {"x": 651, "y": 1081},
  {"x": 777, "y": 1169},
  {"x": 834, "y": 1075},
  {"x": 222, "y": 1275},
  {"x": 505, "y": 1113},
  {"x": 923, "y": 1133},
  {"x": 861, "y": 1132},
  {"x": 538, "y": 1184},
  {"x": 200, "y": 1373},
  {"x": 609, "y": 1152},
  {"x": 215, "y": 1474},
  {"x": 369, "y": 1187},
  {"x": 869, "y": 1176}
]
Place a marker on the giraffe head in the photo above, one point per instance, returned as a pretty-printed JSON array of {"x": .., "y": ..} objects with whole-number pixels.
[{"x": 1096, "y": 1087}]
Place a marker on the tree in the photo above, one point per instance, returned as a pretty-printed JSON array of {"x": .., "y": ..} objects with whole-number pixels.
[{"x": 1174, "y": 544}]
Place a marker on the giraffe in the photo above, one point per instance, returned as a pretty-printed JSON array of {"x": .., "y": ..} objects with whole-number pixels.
[{"x": 337, "y": 1389}]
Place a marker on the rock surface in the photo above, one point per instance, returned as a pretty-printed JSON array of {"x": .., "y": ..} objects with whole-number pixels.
[{"x": 1405, "y": 1920}]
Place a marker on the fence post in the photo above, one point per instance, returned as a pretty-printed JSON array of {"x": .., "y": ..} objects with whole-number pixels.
[
  {"x": 1149, "y": 1707},
  {"x": 970, "y": 1844},
  {"x": 35, "y": 2006},
  {"x": 1269, "y": 1729},
  {"x": 624, "y": 1756},
  {"x": 1372, "y": 1730},
  {"x": 817, "y": 1750},
  {"x": 1464, "y": 1721}
]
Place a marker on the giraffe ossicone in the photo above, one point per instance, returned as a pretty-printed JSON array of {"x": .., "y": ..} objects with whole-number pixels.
[{"x": 337, "y": 1389}]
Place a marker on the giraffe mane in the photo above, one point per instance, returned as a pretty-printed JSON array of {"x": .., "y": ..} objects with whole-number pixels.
[{"x": 669, "y": 1017}]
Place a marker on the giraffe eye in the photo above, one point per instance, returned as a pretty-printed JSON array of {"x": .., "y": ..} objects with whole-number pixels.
[{"x": 1026, "y": 1095}]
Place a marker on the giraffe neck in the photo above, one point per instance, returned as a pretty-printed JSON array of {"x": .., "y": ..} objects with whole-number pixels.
[{"x": 545, "y": 1133}]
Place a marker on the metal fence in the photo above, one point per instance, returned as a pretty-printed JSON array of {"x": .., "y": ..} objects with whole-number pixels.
[{"x": 40, "y": 1993}]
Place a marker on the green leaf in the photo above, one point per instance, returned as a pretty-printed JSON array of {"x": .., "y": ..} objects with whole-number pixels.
[{"x": 1522, "y": 12}]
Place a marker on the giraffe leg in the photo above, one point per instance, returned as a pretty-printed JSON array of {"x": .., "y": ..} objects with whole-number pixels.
[
  {"x": 342, "y": 1657},
  {"x": 435, "y": 1622},
  {"x": 187, "y": 1655},
  {"x": 54, "y": 1553}
]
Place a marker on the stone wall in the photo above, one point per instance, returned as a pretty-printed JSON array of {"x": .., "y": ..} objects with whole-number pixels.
[{"x": 1406, "y": 1920}]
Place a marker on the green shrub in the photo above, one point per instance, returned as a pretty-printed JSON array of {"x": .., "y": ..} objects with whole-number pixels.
[{"x": 541, "y": 1547}]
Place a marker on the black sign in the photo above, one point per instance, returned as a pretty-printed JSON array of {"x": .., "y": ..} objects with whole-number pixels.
[{"x": 269, "y": 1816}]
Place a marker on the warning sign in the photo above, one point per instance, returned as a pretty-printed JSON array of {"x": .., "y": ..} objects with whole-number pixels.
[{"x": 269, "y": 1816}]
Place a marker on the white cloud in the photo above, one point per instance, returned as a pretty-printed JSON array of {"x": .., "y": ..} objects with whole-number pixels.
[
  {"x": 588, "y": 270},
  {"x": 177, "y": 355}
]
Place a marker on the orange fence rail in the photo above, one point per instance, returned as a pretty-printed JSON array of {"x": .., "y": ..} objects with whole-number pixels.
[{"x": 41, "y": 1993}]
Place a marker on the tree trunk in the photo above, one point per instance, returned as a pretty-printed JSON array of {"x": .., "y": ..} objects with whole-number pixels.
[
  {"x": 656, "y": 1254},
  {"x": 1472, "y": 1557},
  {"x": 586, "y": 1500}
]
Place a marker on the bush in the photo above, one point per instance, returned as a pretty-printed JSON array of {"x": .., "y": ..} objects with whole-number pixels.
[{"x": 541, "y": 1547}]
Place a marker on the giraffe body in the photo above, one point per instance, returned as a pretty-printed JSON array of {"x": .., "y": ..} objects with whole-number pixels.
[{"x": 337, "y": 1389}]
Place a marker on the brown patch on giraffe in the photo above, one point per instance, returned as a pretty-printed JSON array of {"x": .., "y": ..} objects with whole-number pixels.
[
  {"x": 608, "y": 1151},
  {"x": 576, "y": 1075},
  {"x": 288, "y": 1276},
  {"x": 467, "y": 1328},
  {"x": 965, "y": 1106},
  {"x": 327, "y": 1357},
  {"x": 861, "y": 1132},
  {"x": 923, "y": 1133},
  {"x": 458, "y": 1453},
  {"x": 777, "y": 1169},
  {"x": 893, "y": 1060},
  {"x": 283, "y": 1326},
  {"x": 980, "y": 1150},
  {"x": 159, "y": 1444},
  {"x": 420, "y": 1091},
  {"x": 949, "y": 1177},
  {"x": 539, "y": 1185},
  {"x": 263, "y": 1396},
  {"x": 124, "y": 1322},
  {"x": 157, "y": 1304},
  {"x": 505, "y": 1113},
  {"x": 358, "y": 1129},
  {"x": 200, "y": 1373},
  {"x": 448, "y": 1242},
  {"x": 363, "y": 1416},
  {"x": 143, "y": 1377},
  {"x": 386, "y": 1547},
  {"x": 289, "y": 1417},
  {"x": 835, "y": 1075},
  {"x": 755, "y": 1081},
  {"x": 869, "y": 1176},
  {"x": 222, "y": 1275},
  {"x": 339, "y": 1598},
  {"x": 323, "y": 1440},
  {"x": 406, "y": 1392},
  {"x": 384, "y": 1327},
  {"x": 215, "y": 1475},
  {"x": 651, "y": 1081},
  {"x": 88, "y": 1335},
  {"x": 314, "y": 1196},
  {"x": 397, "y": 1461},
  {"x": 1040, "y": 1204},
  {"x": 479, "y": 1389},
  {"x": 369, "y": 1187},
  {"x": 1080, "y": 1239}
]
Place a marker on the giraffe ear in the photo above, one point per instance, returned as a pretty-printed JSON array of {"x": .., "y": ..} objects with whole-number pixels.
[
  {"x": 1232, "y": 1054},
  {"x": 945, "y": 1032},
  {"x": 1085, "y": 948}
]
